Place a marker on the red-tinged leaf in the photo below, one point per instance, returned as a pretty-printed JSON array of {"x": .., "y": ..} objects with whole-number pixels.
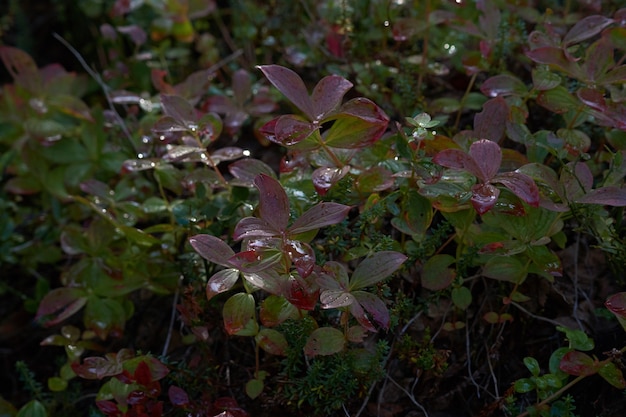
[
  {"x": 360, "y": 315},
  {"x": 59, "y": 304},
  {"x": 457, "y": 159},
  {"x": 178, "y": 396},
  {"x": 487, "y": 156},
  {"x": 291, "y": 85},
  {"x": 521, "y": 185},
  {"x": 374, "y": 180},
  {"x": 227, "y": 153},
  {"x": 374, "y": 306},
  {"x": 336, "y": 298},
  {"x": 135, "y": 33},
  {"x": 484, "y": 197},
  {"x": 302, "y": 293},
  {"x": 505, "y": 268},
  {"x": 253, "y": 227},
  {"x": 616, "y": 75},
  {"x": 503, "y": 85},
  {"x": 239, "y": 315},
  {"x": 272, "y": 341},
  {"x": 490, "y": 123},
  {"x": 276, "y": 309},
  {"x": 356, "y": 334},
  {"x": 246, "y": 170},
  {"x": 617, "y": 304},
  {"x": 221, "y": 281},
  {"x": 180, "y": 110},
  {"x": 592, "y": 98},
  {"x": 578, "y": 363},
  {"x": 108, "y": 408},
  {"x": 333, "y": 276},
  {"x": 359, "y": 123},
  {"x": 256, "y": 260},
  {"x": 273, "y": 202},
  {"x": 98, "y": 368},
  {"x": 22, "y": 68},
  {"x": 328, "y": 94},
  {"x": 291, "y": 129},
  {"x": 212, "y": 248},
  {"x": 143, "y": 375},
  {"x": 71, "y": 105},
  {"x": 436, "y": 274},
  {"x": 606, "y": 196},
  {"x": 598, "y": 59},
  {"x": 613, "y": 375},
  {"x": 157, "y": 76},
  {"x": 324, "y": 341},
  {"x": 325, "y": 177},
  {"x": 268, "y": 280},
  {"x": 577, "y": 179},
  {"x": 556, "y": 58},
  {"x": 318, "y": 216},
  {"x": 376, "y": 268},
  {"x": 586, "y": 28}
]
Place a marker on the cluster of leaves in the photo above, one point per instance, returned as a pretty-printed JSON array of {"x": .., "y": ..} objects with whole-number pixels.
[{"x": 356, "y": 231}]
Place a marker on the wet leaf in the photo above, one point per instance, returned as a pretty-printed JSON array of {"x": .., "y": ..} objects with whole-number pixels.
[
  {"x": 221, "y": 281},
  {"x": 606, "y": 196},
  {"x": 374, "y": 306},
  {"x": 556, "y": 58},
  {"x": 180, "y": 110},
  {"x": 544, "y": 79},
  {"x": 491, "y": 122},
  {"x": 324, "y": 341},
  {"x": 374, "y": 179},
  {"x": 328, "y": 94},
  {"x": 325, "y": 177},
  {"x": 253, "y": 227},
  {"x": 436, "y": 274},
  {"x": 212, "y": 248},
  {"x": 617, "y": 304},
  {"x": 522, "y": 186},
  {"x": 336, "y": 298},
  {"x": 503, "y": 85},
  {"x": 457, "y": 159},
  {"x": 484, "y": 197},
  {"x": 359, "y": 123},
  {"x": 290, "y": 130},
  {"x": 246, "y": 170}
]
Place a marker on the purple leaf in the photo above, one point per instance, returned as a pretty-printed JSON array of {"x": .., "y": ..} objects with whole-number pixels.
[
  {"x": 273, "y": 202},
  {"x": 503, "y": 85},
  {"x": 336, "y": 299},
  {"x": 291, "y": 85},
  {"x": 246, "y": 170},
  {"x": 327, "y": 95},
  {"x": 291, "y": 129},
  {"x": 490, "y": 123},
  {"x": 586, "y": 28},
  {"x": 212, "y": 249},
  {"x": 488, "y": 156},
  {"x": 577, "y": 179},
  {"x": 178, "y": 396},
  {"x": 359, "y": 314},
  {"x": 555, "y": 57},
  {"x": 62, "y": 303},
  {"x": 221, "y": 281},
  {"x": 267, "y": 280},
  {"x": 606, "y": 196},
  {"x": 253, "y": 227},
  {"x": 592, "y": 98},
  {"x": 320, "y": 215},
  {"x": 522, "y": 186},
  {"x": 578, "y": 363},
  {"x": 302, "y": 256},
  {"x": 376, "y": 268},
  {"x": 333, "y": 277},
  {"x": 242, "y": 86},
  {"x": 325, "y": 177},
  {"x": 374, "y": 306},
  {"x": 484, "y": 197},
  {"x": 617, "y": 304},
  {"x": 256, "y": 260},
  {"x": 457, "y": 159},
  {"x": 180, "y": 110},
  {"x": 302, "y": 293}
]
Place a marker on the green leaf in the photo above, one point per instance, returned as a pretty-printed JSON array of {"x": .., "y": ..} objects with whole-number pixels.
[
  {"x": 436, "y": 275},
  {"x": 577, "y": 339},
  {"x": 524, "y": 385},
  {"x": 254, "y": 388},
  {"x": 376, "y": 268},
  {"x": 239, "y": 315},
  {"x": 324, "y": 341},
  {"x": 505, "y": 268},
  {"x": 33, "y": 408},
  {"x": 461, "y": 297},
  {"x": 276, "y": 309},
  {"x": 272, "y": 341},
  {"x": 57, "y": 384},
  {"x": 532, "y": 365},
  {"x": 613, "y": 375}
]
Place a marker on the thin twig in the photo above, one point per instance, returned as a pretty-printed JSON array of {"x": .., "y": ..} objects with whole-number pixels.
[
  {"x": 576, "y": 289},
  {"x": 519, "y": 307},
  {"x": 469, "y": 360},
  {"x": 410, "y": 395},
  {"x": 170, "y": 328},
  {"x": 105, "y": 88}
]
